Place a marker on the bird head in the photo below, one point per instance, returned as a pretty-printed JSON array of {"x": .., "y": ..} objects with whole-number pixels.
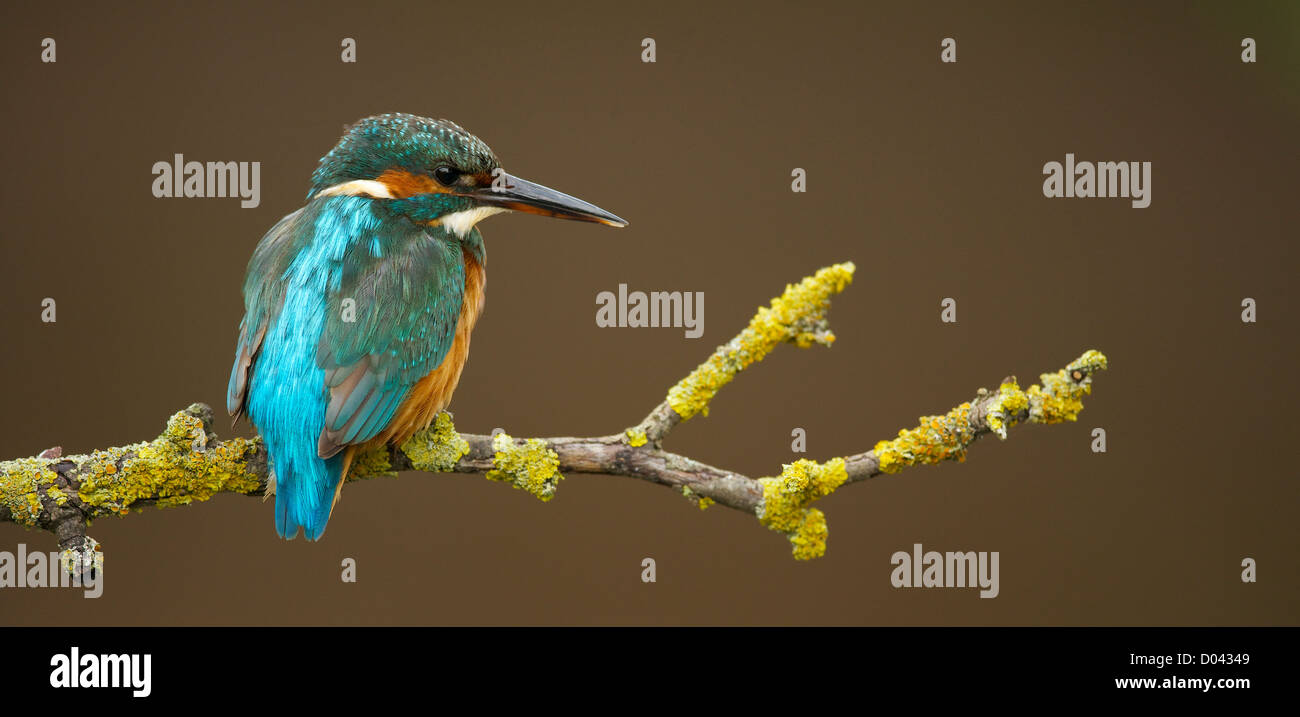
[{"x": 436, "y": 173}]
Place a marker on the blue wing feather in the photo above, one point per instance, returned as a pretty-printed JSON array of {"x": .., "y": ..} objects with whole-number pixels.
[{"x": 315, "y": 374}]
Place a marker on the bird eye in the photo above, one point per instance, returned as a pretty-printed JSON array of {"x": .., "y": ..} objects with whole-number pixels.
[{"x": 446, "y": 176}]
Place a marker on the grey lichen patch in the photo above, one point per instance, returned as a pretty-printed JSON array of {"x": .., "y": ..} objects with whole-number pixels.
[
  {"x": 437, "y": 448},
  {"x": 678, "y": 463},
  {"x": 530, "y": 466},
  {"x": 83, "y": 560}
]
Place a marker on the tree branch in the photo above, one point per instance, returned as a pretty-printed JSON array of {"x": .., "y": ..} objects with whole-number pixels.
[{"x": 187, "y": 463}]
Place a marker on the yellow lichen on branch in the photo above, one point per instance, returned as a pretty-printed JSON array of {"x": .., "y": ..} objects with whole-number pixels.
[
  {"x": 798, "y": 316},
  {"x": 937, "y": 438},
  {"x": 437, "y": 448},
  {"x": 22, "y": 482},
  {"x": 702, "y": 501},
  {"x": 1061, "y": 396},
  {"x": 177, "y": 468},
  {"x": 373, "y": 462},
  {"x": 531, "y": 466},
  {"x": 1005, "y": 407},
  {"x": 941, "y": 438},
  {"x": 784, "y": 507}
]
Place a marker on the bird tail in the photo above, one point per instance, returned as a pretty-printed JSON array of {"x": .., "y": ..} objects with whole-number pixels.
[{"x": 305, "y": 493}]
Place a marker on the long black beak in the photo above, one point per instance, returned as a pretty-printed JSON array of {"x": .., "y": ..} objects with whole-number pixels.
[{"x": 521, "y": 195}]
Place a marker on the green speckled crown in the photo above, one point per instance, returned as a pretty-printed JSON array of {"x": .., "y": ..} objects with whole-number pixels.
[{"x": 401, "y": 141}]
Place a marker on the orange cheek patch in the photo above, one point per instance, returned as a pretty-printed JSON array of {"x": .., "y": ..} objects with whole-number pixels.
[{"x": 402, "y": 184}]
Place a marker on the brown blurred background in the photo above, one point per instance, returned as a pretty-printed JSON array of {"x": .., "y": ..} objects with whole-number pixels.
[{"x": 927, "y": 175}]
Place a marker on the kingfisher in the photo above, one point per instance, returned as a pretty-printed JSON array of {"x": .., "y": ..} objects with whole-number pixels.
[{"x": 358, "y": 307}]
